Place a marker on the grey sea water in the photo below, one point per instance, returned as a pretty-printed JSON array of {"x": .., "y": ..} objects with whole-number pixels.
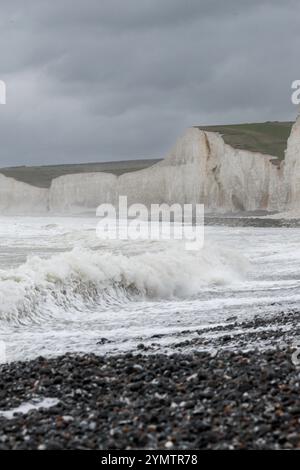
[{"x": 64, "y": 290}]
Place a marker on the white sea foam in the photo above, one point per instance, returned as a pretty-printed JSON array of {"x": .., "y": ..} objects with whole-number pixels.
[
  {"x": 42, "y": 403},
  {"x": 82, "y": 277},
  {"x": 109, "y": 296}
]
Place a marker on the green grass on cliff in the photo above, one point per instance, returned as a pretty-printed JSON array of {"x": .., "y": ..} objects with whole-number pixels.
[
  {"x": 42, "y": 176},
  {"x": 268, "y": 137}
]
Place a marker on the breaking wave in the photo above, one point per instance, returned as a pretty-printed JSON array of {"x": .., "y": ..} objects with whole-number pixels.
[{"x": 85, "y": 278}]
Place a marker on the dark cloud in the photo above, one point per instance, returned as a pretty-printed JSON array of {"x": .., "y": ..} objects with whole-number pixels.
[{"x": 98, "y": 80}]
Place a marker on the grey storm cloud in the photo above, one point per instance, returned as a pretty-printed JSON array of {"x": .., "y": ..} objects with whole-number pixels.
[{"x": 99, "y": 80}]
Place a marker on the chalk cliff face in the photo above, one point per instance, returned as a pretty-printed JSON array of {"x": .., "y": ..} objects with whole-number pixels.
[
  {"x": 21, "y": 198},
  {"x": 292, "y": 169},
  {"x": 179, "y": 178},
  {"x": 200, "y": 168},
  {"x": 74, "y": 193},
  {"x": 239, "y": 180}
]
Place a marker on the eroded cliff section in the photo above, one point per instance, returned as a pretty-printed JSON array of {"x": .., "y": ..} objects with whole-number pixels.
[
  {"x": 201, "y": 168},
  {"x": 21, "y": 198},
  {"x": 74, "y": 193},
  {"x": 292, "y": 170}
]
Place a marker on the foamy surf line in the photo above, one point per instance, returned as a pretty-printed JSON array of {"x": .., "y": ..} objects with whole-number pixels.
[
  {"x": 82, "y": 277},
  {"x": 38, "y": 404}
]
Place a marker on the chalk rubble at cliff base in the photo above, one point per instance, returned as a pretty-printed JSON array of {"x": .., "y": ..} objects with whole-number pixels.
[{"x": 201, "y": 168}]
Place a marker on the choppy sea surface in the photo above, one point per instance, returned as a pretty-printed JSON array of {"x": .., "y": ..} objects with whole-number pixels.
[{"x": 62, "y": 289}]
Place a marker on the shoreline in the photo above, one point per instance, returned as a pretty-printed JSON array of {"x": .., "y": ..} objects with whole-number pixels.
[
  {"x": 248, "y": 221},
  {"x": 231, "y": 399}
]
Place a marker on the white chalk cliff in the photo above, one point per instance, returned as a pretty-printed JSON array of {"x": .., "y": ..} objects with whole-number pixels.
[
  {"x": 200, "y": 168},
  {"x": 73, "y": 193},
  {"x": 21, "y": 198},
  {"x": 292, "y": 169}
]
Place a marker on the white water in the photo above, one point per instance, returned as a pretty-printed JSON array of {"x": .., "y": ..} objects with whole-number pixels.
[
  {"x": 25, "y": 408},
  {"x": 64, "y": 290}
]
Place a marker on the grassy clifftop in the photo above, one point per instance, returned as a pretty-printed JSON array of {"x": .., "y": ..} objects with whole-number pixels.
[
  {"x": 268, "y": 137},
  {"x": 43, "y": 175}
]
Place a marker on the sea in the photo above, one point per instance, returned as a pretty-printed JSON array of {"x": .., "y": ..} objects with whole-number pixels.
[{"x": 65, "y": 290}]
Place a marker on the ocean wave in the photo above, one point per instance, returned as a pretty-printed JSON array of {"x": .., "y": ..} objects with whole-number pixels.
[{"x": 85, "y": 278}]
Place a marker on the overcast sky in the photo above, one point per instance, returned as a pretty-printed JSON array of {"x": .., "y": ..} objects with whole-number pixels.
[{"x": 100, "y": 80}]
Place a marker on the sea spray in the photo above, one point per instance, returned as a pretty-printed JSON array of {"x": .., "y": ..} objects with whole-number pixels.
[{"x": 83, "y": 277}]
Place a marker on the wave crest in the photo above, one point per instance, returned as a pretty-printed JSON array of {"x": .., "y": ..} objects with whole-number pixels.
[{"x": 80, "y": 279}]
